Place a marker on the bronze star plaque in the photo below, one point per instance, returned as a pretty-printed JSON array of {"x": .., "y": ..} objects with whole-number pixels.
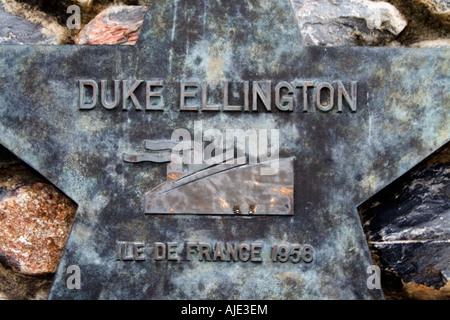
[{"x": 219, "y": 158}]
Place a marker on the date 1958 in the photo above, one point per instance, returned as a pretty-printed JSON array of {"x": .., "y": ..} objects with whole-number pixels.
[{"x": 203, "y": 251}]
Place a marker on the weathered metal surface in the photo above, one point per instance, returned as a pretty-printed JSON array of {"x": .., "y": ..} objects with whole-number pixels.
[
  {"x": 213, "y": 191},
  {"x": 208, "y": 187},
  {"x": 341, "y": 158}
]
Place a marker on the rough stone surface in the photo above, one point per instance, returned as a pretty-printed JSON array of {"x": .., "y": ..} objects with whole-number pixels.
[
  {"x": 422, "y": 24},
  {"x": 51, "y": 24},
  {"x": 347, "y": 23},
  {"x": 85, "y": 3},
  {"x": 115, "y": 25},
  {"x": 408, "y": 229},
  {"x": 438, "y": 43},
  {"x": 438, "y": 8},
  {"x": 35, "y": 219},
  {"x": 18, "y": 286},
  {"x": 414, "y": 291},
  {"x": 34, "y": 224},
  {"x": 17, "y": 30}
]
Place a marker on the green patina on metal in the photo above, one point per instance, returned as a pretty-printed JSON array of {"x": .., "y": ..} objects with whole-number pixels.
[{"x": 395, "y": 116}]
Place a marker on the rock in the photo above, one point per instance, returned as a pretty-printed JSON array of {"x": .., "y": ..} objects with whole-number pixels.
[
  {"x": 407, "y": 225},
  {"x": 21, "y": 23},
  {"x": 348, "y": 22},
  {"x": 34, "y": 224},
  {"x": 17, "y": 30},
  {"x": 446, "y": 275},
  {"x": 437, "y": 43},
  {"x": 84, "y": 3},
  {"x": 422, "y": 24},
  {"x": 438, "y": 8},
  {"x": 19, "y": 286},
  {"x": 35, "y": 219},
  {"x": 114, "y": 25},
  {"x": 416, "y": 291}
]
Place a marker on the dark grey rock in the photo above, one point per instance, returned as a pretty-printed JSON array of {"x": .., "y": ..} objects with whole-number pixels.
[
  {"x": 408, "y": 224},
  {"x": 17, "y": 30}
]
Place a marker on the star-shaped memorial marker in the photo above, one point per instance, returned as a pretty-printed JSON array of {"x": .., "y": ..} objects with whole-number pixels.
[{"x": 325, "y": 127}]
